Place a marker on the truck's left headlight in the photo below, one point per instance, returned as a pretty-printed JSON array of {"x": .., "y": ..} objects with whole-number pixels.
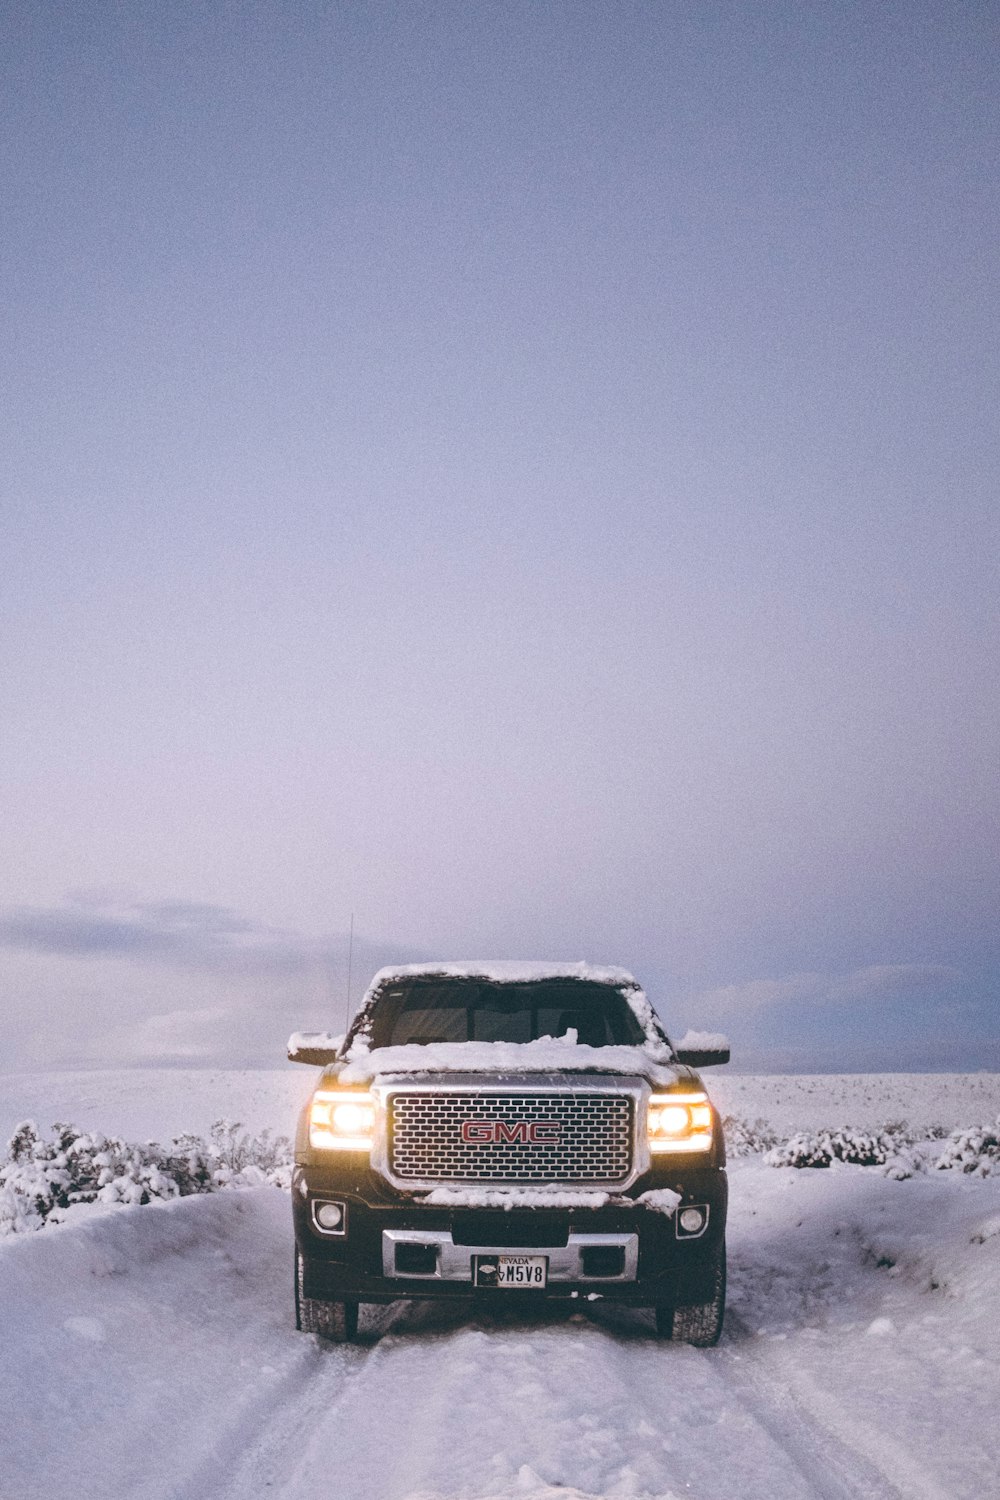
[
  {"x": 341, "y": 1120},
  {"x": 680, "y": 1122}
]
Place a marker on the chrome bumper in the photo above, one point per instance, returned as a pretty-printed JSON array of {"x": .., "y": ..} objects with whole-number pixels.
[{"x": 454, "y": 1262}]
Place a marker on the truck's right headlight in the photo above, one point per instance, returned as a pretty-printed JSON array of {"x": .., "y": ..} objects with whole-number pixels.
[
  {"x": 341, "y": 1120},
  {"x": 679, "y": 1122}
]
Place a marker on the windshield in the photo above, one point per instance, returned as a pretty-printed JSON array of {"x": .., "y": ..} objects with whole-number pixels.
[{"x": 480, "y": 1010}]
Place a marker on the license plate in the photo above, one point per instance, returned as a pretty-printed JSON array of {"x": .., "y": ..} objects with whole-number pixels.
[{"x": 514, "y": 1272}]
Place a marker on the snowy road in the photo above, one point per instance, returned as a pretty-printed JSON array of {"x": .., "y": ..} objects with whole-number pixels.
[{"x": 149, "y": 1353}]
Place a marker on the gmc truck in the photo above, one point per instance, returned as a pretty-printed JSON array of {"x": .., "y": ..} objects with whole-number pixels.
[{"x": 496, "y": 1130}]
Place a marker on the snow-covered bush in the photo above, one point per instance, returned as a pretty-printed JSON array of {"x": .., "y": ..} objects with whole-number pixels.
[
  {"x": 229, "y": 1159},
  {"x": 972, "y": 1150},
  {"x": 805, "y": 1149},
  {"x": 747, "y": 1137},
  {"x": 820, "y": 1148},
  {"x": 896, "y": 1148},
  {"x": 42, "y": 1180}
]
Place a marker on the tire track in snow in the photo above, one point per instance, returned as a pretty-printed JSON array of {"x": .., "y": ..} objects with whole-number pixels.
[
  {"x": 269, "y": 1413},
  {"x": 830, "y": 1463},
  {"x": 557, "y": 1409},
  {"x": 783, "y": 1392}
]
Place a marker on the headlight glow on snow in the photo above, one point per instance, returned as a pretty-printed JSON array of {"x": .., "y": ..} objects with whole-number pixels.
[
  {"x": 341, "y": 1121},
  {"x": 679, "y": 1122}
]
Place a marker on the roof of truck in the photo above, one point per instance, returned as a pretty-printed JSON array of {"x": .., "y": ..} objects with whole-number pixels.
[{"x": 506, "y": 971}]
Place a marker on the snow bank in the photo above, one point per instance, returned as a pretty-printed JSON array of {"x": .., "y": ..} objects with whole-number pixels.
[{"x": 129, "y": 1334}]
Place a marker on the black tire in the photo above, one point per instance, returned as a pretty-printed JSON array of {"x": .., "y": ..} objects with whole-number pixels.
[
  {"x": 700, "y": 1324},
  {"x": 335, "y": 1321}
]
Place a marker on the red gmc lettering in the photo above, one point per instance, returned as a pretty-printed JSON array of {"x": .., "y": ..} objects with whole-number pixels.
[{"x": 520, "y": 1132}]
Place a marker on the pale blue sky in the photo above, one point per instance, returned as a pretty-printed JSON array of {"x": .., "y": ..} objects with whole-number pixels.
[{"x": 524, "y": 473}]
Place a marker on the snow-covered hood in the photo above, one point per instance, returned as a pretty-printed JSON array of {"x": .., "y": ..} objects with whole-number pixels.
[{"x": 364, "y": 1064}]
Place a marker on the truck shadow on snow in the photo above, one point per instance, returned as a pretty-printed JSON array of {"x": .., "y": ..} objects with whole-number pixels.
[
  {"x": 435, "y": 1318},
  {"x": 778, "y": 1282}
]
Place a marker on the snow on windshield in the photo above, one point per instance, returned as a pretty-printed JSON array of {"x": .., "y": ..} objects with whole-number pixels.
[
  {"x": 501, "y": 1017},
  {"x": 506, "y": 1002}
]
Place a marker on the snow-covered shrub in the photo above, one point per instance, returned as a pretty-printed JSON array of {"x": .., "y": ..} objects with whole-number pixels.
[
  {"x": 862, "y": 1148},
  {"x": 43, "y": 1180},
  {"x": 229, "y": 1159},
  {"x": 747, "y": 1137},
  {"x": 905, "y": 1162},
  {"x": 819, "y": 1149},
  {"x": 805, "y": 1149},
  {"x": 972, "y": 1150},
  {"x": 266, "y": 1156}
]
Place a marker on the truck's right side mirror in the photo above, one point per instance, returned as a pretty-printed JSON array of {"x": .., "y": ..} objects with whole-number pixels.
[{"x": 702, "y": 1049}]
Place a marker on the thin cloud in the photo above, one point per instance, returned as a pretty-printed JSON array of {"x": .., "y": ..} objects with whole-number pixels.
[
  {"x": 206, "y": 943},
  {"x": 187, "y": 933},
  {"x": 171, "y": 1036},
  {"x": 874, "y": 982}
]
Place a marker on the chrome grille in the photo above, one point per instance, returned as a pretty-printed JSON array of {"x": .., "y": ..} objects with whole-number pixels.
[{"x": 594, "y": 1144}]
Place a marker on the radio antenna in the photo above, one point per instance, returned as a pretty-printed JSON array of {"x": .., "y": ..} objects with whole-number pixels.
[{"x": 350, "y": 958}]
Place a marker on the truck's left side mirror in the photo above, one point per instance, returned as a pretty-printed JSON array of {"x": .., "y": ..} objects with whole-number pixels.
[
  {"x": 702, "y": 1049},
  {"x": 317, "y": 1048}
]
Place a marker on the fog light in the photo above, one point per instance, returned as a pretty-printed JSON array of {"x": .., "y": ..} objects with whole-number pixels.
[
  {"x": 692, "y": 1220},
  {"x": 329, "y": 1216}
]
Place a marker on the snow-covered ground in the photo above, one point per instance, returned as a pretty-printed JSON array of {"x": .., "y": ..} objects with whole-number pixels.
[
  {"x": 156, "y": 1103},
  {"x": 149, "y": 1352}
]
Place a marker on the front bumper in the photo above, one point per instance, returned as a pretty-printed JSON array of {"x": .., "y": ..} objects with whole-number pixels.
[
  {"x": 567, "y": 1262},
  {"x": 651, "y": 1260}
]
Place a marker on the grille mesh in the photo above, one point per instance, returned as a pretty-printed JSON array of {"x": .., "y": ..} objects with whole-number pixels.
[{"x": 594, "y": 1138}]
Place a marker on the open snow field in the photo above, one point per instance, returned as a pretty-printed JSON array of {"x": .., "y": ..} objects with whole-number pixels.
[
  {"x": 142, "y": 1104},
  {"x": 149, "y": 1352}
]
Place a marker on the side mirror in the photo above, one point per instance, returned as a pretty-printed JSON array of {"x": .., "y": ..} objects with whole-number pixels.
[
  {"x": 317, "y": 1048},
  {"x": 702, "y": 1049}
]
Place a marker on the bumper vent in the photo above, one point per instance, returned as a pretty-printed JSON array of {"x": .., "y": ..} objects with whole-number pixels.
[{"x": 529, "y": 1138}]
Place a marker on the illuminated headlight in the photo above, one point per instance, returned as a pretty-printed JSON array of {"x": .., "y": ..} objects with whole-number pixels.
[
  {"x": 679, "y": 1122},
  {"x": 341, "y": 1121}
]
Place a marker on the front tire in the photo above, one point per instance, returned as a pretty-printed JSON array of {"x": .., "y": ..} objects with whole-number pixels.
[
  {"x": 700, "y": 1324},
  {"x": 335, "y": 1321}
]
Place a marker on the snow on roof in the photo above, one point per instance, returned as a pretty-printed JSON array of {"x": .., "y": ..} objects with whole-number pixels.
[{"x": 504, "y": 971}]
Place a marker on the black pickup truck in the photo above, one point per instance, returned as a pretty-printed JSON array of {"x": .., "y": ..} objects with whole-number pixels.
[{"x": 489, "y": 1130}]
